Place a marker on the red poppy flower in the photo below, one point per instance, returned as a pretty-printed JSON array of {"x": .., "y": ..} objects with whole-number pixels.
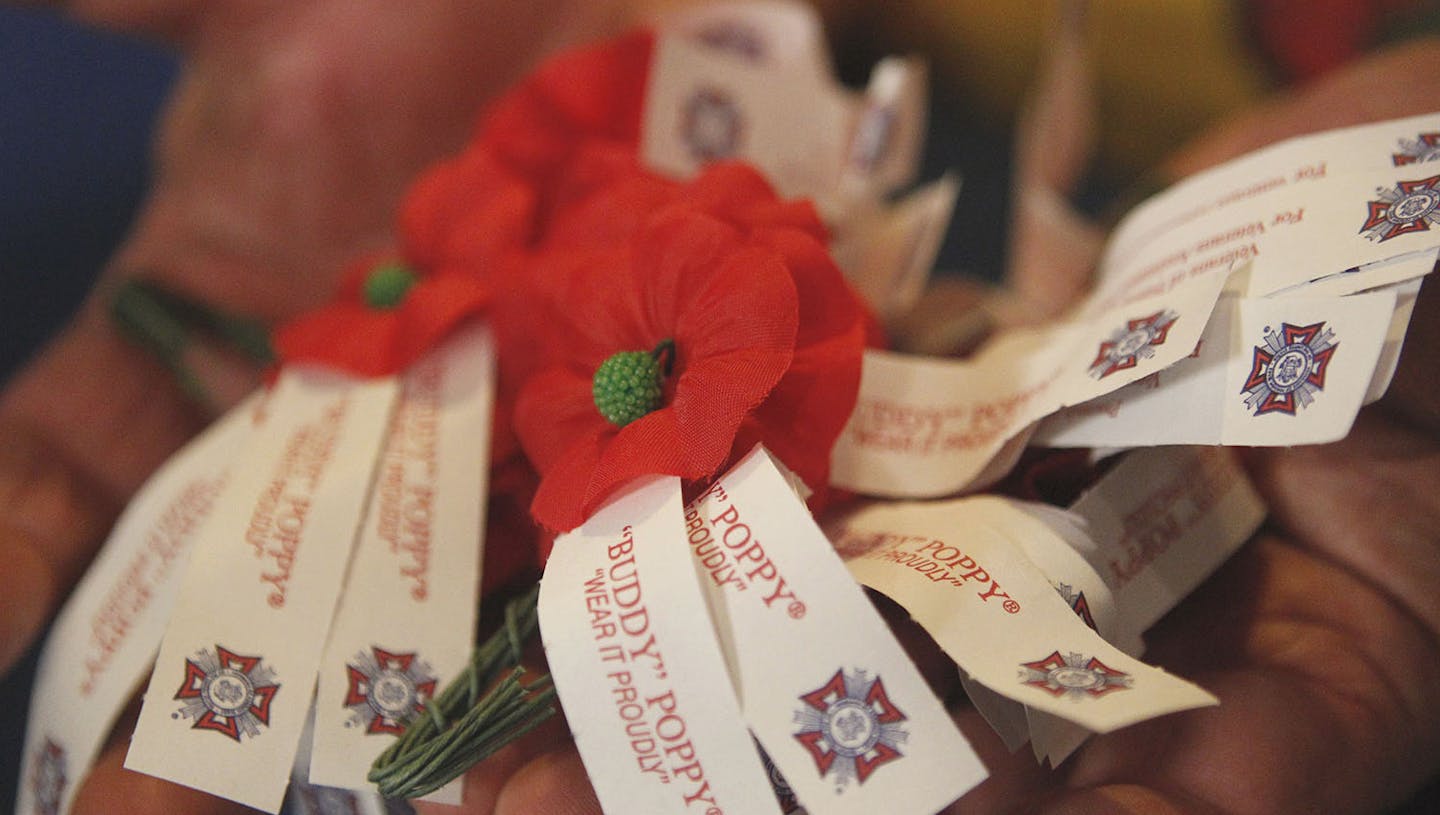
[
  {"x": 499, "y": 193},
  {"x": 385, "y": 317},
  {"x": 584, "y": 97},
  {"x": 730, "y": 310},
  {"x": 767, "y": 338}
]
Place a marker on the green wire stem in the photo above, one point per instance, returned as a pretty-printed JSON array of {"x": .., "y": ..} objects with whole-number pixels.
[
  {"x": 164, "y": 323},
  {"x": 474, "y": 716}
]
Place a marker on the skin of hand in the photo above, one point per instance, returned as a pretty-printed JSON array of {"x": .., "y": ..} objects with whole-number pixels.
[
  {"x": 290, "y": 136},
  {"x": 293, "y": 131}
]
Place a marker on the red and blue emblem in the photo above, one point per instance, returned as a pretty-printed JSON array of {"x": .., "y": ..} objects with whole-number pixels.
[
  {"x": 1424, "y": 147},
  {"x": 712, "y": 125},
  {"x": 1409, "y": 206},
  {"x": 1078, "y": 603},
  {"x": 1133, "y": 342},
  {"x": 850, "y": 727},
  {"x": 48, "y": 778},
  {"x": 226, "y": 692},
  {"x": 387, "y": 690},
  {"x": 1074, "y": 675},
  {"x": 1289, "y": 368},
  {"x": 784, "y": 795}
]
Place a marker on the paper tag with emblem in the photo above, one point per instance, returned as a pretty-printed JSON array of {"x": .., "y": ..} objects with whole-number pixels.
[
  {"x": 832, "y": 697},
  {"x": 1162, "y": 521},
  {"x": 951, "y": 565},
  {"x": 929, "y": 427},
  {"x": 1144, "y": 412},
  {"x": 103, "y": 642},
  {"x": 889, "y": 132},
  {"x": 638, "y": 668},
  {"x": 887, "y": 251},
  {"x": 235, "y": 676},
  {"x": 782, "y": 37},
  {"x": 1281, "y": 167},
  {"x": 406, "y": 620},
  {"x": 703, "y": 105},
  {"x": 1267, "y": 372}
]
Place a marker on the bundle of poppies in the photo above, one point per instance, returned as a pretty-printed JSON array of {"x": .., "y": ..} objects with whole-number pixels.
[{"x": 644, "y": 324}]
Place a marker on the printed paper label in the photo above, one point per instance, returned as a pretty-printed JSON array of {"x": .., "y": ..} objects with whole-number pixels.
[
  {"x": 235, "y": 677},
  {"x": 103, "y": 642},
  {"x": 830, "y": 694},
  {"x": 951, "y": 565},
  {"x": 406, "y": 621},
  {"x": 637, "y": 667},
  {"x": 1162, "y": 521}
]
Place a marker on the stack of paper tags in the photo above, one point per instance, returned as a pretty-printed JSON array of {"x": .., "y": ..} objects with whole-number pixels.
[{"x": 1273, "y": 293}]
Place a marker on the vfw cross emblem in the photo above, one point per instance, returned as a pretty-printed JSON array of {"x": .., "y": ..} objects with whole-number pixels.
[
  {"x": 1424, "y": 147},
  {"x": 1289, "y": 368},
  {"x": 1074, "y": 675},
  {"x": 48, "y": 778},
  {"x": 226, "y": 692},
  {"x": 386, "y": 690},
  {"x": 1135, "y": 341},
  {"x": 850, "y": 727},
  {"x": 712, "y": 125},
  {"x": 1078, "y": 604},
  {"x": 1409, "y": 206}
]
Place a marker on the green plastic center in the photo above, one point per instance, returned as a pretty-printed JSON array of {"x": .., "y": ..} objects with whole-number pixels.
[
  {"x": 631, "y": 384},
  {"x": 386, "y": 287}
]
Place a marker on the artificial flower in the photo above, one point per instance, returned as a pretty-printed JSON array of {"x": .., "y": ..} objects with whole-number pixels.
[
  {"x": 727, "y": 310},
  {"x": 385, "y": 317},
  {"x": 726, "y": 307}
]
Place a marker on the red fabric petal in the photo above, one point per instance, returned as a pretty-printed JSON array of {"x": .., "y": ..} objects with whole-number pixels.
[
  {"x": 555, "y": 411},
  {"x": 739, "y": 194},
  {"x": 433, "y": 308},
  {"x": 467, "y": 211},
  {"x": 561, "y": 501},
  {"x": 732, "y": 312},
  {"x": 354, "y": 337},
  {"x": 587, "y": 95},
  {"x": 347, "y": 336}
]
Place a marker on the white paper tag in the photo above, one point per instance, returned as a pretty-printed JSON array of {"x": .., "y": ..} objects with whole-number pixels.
[
  {"x": 1277, "y": 170},
  {"x": 1163, "y": 520},
  {"x": 305, "y": 798},
  {"x": 1406, "y": 293},
  {"x": 887, "y": 251},
  {"x": 235, "y": 677},
  {"x": 1267, "y": 372},
  {"x": 637, "y": 666},
  {"x": 406, "y": 621},
  {"x": 928, "y": 427},
  {"x": 889, "y": 135},
  {"x": 702, "y": 105},
  {"x": 780, "y": 36},
  {"x": 1005, "y": 716},
  {"x": 830, "y": 694},
  {"x": 103, "y": 642},
  {"x": 952, "y": 567}
]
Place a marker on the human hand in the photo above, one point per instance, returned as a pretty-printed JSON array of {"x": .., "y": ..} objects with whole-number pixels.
[{"x": 289, "y": 139}]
